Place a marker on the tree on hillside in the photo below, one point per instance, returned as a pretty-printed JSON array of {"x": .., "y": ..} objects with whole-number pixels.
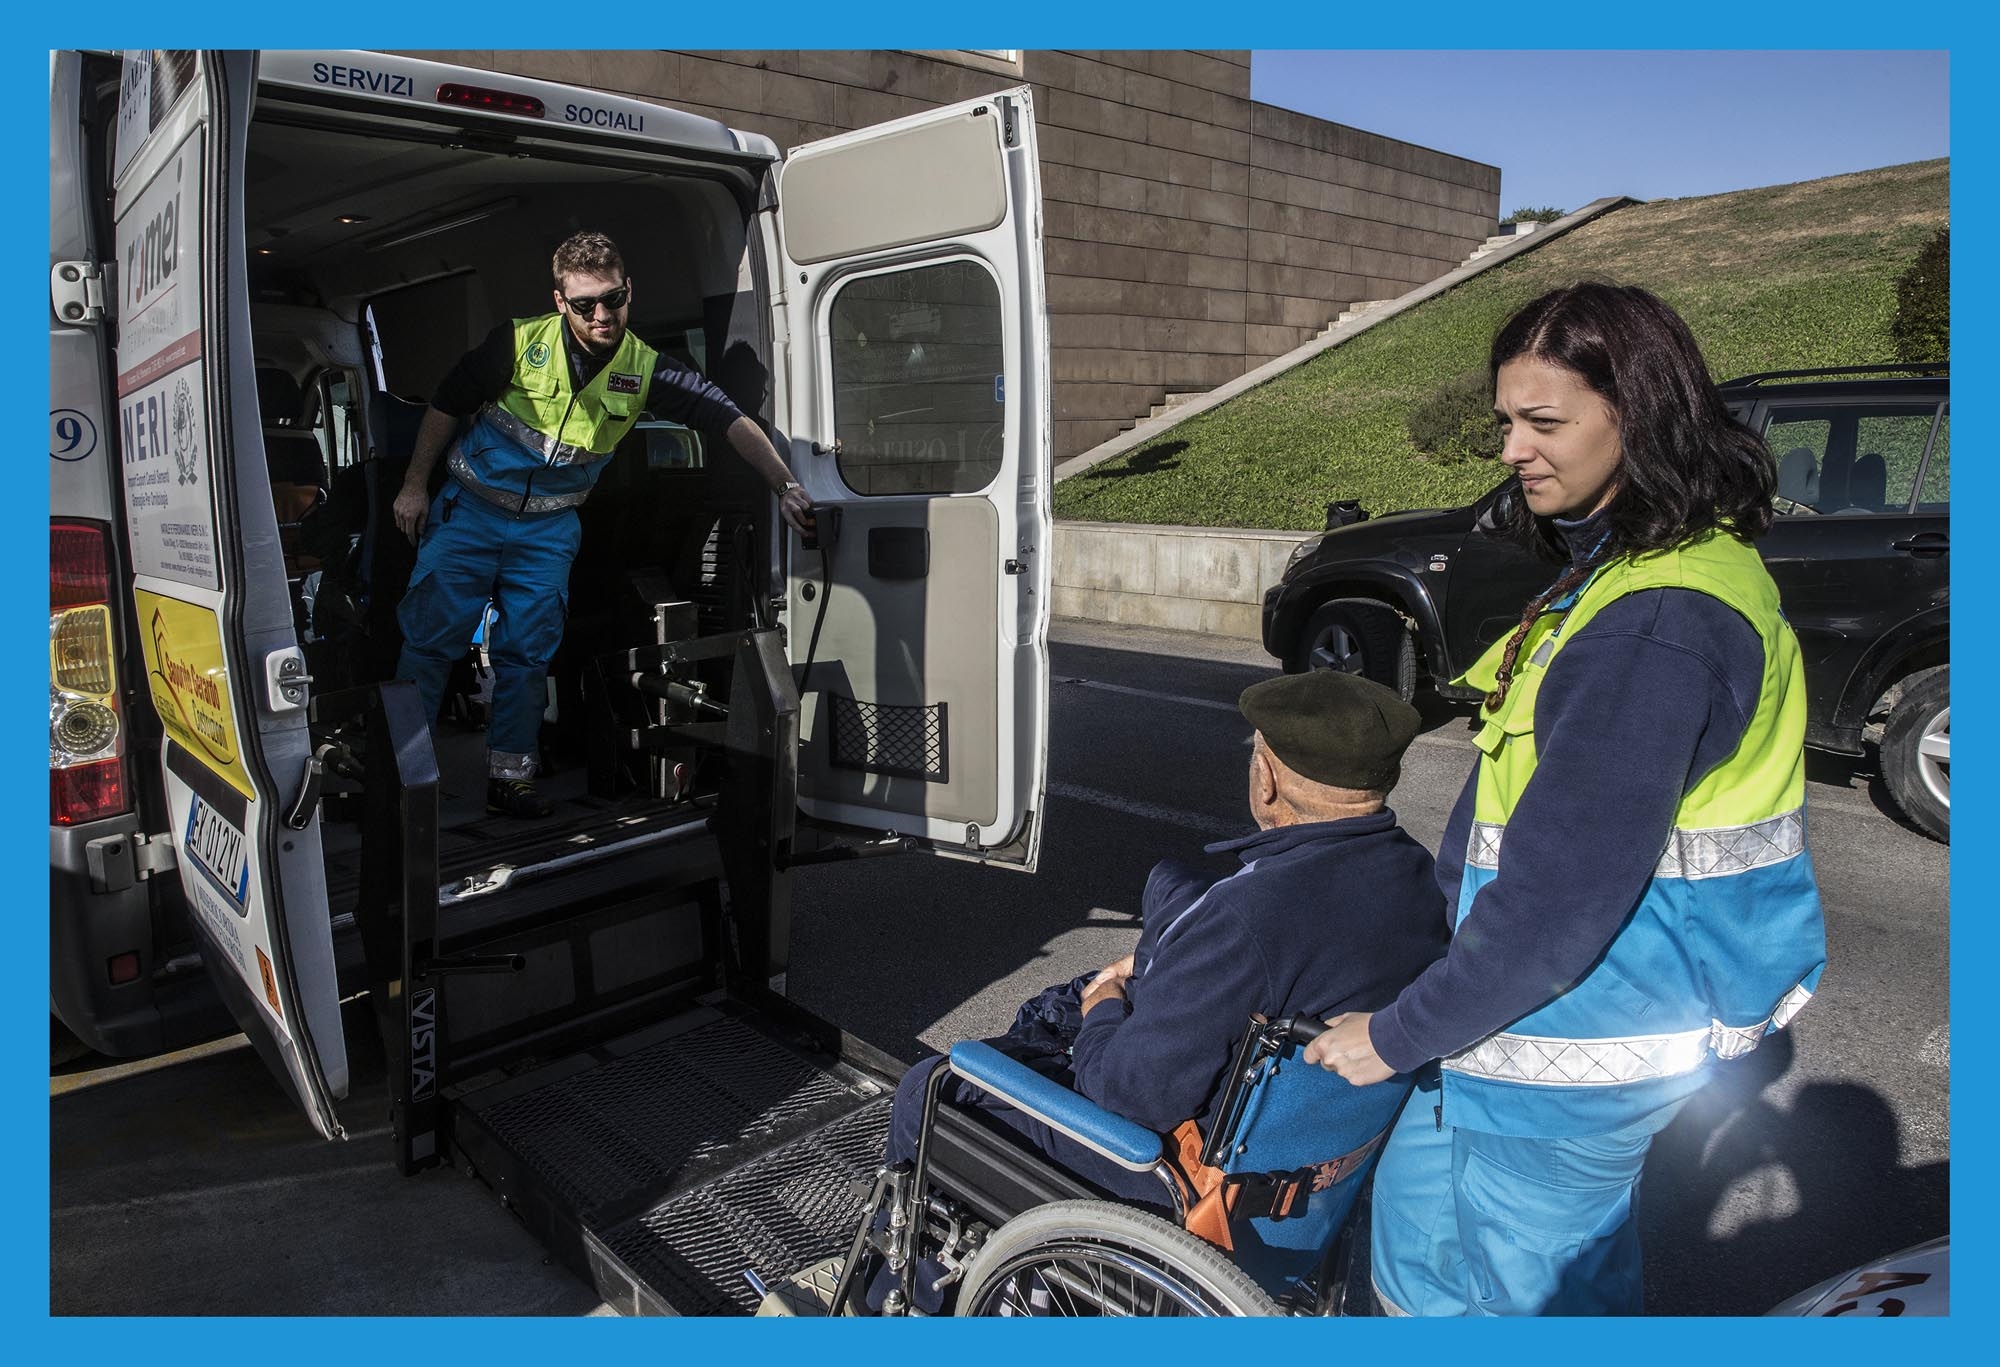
[
  {"x": 1922, "y": 329},
  {"x": 1545, "y": 214}
]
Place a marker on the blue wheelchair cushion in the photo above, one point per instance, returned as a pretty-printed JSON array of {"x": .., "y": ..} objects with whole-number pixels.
[{"x": 1124, "y": 1142}]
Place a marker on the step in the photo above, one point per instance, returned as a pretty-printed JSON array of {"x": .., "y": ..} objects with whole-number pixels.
[
  {"x": 1172, "y": 402},
  {"x": 1353, "y": 311}
]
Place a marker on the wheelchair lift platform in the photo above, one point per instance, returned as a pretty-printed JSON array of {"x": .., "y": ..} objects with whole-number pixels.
[{"x": 674, "y": 1165}]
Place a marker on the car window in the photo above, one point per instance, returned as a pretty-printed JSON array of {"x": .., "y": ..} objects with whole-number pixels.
[
  {"x": 1847, "y": 458},
  {"x": 1935, "y": 495},
  {"x": 1798, "y": 444},
  {"x": 1896, "y": 441}
]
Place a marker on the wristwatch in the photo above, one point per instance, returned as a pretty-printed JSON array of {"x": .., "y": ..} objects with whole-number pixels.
[{"x": 787, "y": 487}]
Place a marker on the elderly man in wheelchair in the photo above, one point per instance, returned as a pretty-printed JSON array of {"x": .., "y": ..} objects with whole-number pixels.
[{"x": 1146, "y": 1140}]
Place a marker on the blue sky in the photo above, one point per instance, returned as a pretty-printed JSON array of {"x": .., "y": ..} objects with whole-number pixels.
[{"x": 1569, "y": 127}]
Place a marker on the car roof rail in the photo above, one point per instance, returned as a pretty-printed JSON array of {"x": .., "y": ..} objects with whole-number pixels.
[{"x": 1766, "y": 376}]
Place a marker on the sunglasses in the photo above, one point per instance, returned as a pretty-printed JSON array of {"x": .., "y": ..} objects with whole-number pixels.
[{"x": 613, "y": 300}]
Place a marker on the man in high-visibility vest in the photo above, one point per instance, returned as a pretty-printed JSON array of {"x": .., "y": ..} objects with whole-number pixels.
[{"x": 549, "y": 399}]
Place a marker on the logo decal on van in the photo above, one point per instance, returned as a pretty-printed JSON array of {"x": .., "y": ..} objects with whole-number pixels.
[
  {"x": 538, "y": 355},
  {"x": 423, "y": 1043},
  {"x": 181, "y": 423},
  {"x": 189, "y": 678}
]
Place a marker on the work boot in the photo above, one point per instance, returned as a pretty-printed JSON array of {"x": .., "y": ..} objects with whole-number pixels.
[{"x": 516, "y": 797}]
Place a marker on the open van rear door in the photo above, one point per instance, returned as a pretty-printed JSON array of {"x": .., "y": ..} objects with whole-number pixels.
[
  {"x": 213, "y": 612},
  {"x": 918, "y": 387}
]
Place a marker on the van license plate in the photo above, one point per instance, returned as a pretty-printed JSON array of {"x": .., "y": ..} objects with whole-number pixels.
[{"x": 219, "y": 849}]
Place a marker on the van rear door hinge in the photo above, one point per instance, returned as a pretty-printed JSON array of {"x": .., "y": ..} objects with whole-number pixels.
[
  {"x": 116, "y": 862},
  {"x": 76, "y": 291}
]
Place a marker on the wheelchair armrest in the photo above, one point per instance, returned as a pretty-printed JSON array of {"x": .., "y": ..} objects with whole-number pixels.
[{"x": 1124, "y": 1142}]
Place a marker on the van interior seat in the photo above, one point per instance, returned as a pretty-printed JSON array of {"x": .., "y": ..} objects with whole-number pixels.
[
  {"x": 294, "y": 461},
  {"x": 1798, "y": 477},
  {"x": 291, "y": 449}
]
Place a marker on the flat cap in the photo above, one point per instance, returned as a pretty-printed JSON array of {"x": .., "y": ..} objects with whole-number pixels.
[{"x": 1333, "y": 728}]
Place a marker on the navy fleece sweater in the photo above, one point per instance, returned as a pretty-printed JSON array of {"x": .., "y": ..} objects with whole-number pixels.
[
  {"x": 1331, "y": 916},
  {"x": 1643, "y": 701}
]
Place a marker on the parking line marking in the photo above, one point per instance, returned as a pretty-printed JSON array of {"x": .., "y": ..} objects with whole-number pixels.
[
  {"x": 1212, "y": 826},
  {"x": 1428, "y": 738},
  {"x": 1147, "y": 693}
]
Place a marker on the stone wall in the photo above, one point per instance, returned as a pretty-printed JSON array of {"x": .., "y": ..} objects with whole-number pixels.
[{"x": 1191, "y": 233}]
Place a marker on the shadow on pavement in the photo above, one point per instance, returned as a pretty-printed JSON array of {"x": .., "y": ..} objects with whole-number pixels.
[{"x": 1830, "y": 1161}]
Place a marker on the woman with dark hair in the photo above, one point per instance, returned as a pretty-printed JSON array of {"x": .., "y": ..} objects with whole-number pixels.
[{"x": 1628, "y": 862}]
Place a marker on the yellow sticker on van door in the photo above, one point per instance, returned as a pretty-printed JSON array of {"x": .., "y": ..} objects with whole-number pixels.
[{"x": 189, "y": 676}]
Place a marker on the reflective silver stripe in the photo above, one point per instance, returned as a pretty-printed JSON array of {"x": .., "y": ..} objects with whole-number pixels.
[
  {"x": 1557, "y": 1062},
  {"x": 1482, "y": 847},
  {"x": 1582, "y": 1062},
  {"x": 1719, "y": 851},
  {"x": 1734, "y": 1041},
  {"x": 461, "y": 470},
  {"x": 547, "y": 447},
  {"x": 1790, "y": 1005},
  {"x": 1713, "y": 852}
]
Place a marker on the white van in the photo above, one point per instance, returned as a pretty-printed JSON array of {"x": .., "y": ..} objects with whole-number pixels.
[{"x": 261, "y": 264}]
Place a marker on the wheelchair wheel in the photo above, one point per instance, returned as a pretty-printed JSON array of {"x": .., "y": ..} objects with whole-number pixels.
[{"x": 1097, "y": 1258}]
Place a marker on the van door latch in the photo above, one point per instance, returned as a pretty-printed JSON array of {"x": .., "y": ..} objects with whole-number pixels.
[
  {"x": 285, "y": 680},
  {"x": 76, "y": 291},
  {"x": 116, "y": 862}
]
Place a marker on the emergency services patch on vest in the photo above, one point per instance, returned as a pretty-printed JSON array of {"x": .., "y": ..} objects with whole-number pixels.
[
  {"x": 618, "y": 383},
  {"x": 537, "y": 355}
]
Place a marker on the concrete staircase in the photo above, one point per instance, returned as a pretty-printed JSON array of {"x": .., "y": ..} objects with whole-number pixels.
[
  {"x": 1351, "y": 312},
  {"x": 1355, "y": 319}
]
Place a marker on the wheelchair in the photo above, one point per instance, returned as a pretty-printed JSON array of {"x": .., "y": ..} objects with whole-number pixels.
[{"x": 1261, "y": 1204}]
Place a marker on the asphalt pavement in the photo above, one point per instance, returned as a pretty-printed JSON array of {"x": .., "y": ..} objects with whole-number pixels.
[{"x": 187, "y": 1186}]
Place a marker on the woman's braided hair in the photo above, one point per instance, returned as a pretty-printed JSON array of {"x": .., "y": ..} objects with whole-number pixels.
[
  {"x": 1570, "y": 578},
  {"x": 1685, "y": 465}
]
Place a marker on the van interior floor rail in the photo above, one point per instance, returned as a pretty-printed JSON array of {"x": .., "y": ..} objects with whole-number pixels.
[{"x": 665, "y": 1165}]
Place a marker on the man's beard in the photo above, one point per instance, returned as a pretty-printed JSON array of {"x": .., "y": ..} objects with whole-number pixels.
[{"x": 596, "y": 348}]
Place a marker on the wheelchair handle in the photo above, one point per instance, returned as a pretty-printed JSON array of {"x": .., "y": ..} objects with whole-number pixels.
[{"x": 1299, "y": 1029}]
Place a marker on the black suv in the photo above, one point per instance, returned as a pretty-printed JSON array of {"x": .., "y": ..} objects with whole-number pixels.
[{"x": 1859, "y": 550}]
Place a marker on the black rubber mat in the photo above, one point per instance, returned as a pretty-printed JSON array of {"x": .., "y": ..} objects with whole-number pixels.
[{"x": 775, "y": 1215}]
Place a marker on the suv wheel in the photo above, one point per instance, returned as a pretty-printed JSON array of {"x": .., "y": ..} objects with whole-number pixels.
[
  {"x": 1360, "y": 636},
  {"x": 1916, "y": 752}
]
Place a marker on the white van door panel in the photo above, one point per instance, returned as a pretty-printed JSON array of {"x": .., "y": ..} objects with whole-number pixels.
[
  {"x": 918, "y": 409},
  {"x": 208, "y": 583}
]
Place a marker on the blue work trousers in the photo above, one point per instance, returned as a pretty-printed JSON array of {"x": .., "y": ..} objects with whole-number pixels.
[
  {"x": 1469, "y": 1223},
  {"x": 473, "y": 553}
]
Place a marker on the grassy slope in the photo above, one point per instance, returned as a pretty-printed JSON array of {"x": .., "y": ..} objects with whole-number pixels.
[{"x": 1777, "y": 278}]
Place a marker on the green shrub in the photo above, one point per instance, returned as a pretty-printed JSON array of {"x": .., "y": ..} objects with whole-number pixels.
[
  {"x": 1922, "y": 327},
  {"x": 1546, "y": 214},
  {"x": 1454, "y": 422}
]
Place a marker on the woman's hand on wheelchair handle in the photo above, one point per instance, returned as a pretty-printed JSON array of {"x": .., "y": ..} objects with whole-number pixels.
[{"x": 1346, "y": 1049}]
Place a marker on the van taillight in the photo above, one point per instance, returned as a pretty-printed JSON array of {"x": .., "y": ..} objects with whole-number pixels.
[
  {"x": 86, "y": 733},
  {"x": 88, "y": 792},
  {"x": 78, "y": 564}
]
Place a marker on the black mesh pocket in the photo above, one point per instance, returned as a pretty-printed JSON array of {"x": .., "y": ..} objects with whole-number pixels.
[{"x": 881, "y": 738}]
